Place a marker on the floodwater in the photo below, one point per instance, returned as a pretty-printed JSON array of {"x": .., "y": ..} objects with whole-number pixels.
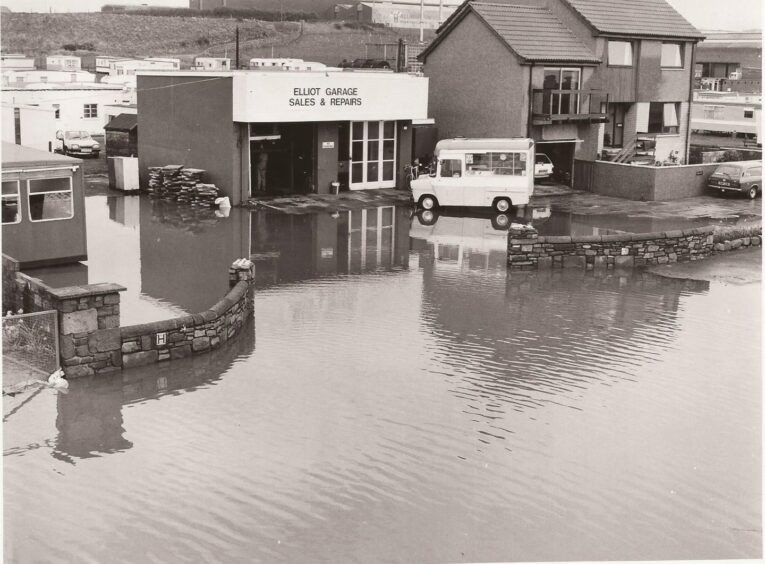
[{"x": 399, "y": 396}]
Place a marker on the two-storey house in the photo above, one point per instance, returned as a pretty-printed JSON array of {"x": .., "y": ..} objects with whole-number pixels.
[{"x": 586, "y": 79}]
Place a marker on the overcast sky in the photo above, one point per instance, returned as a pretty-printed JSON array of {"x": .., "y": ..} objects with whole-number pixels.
[{"x": 704, "y": 14}]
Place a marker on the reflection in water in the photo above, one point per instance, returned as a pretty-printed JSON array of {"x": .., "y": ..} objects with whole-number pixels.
[{"x": 409, "y": 400}]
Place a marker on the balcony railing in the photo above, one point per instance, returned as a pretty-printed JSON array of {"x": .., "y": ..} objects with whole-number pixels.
[{"x": 556, "y": 106}]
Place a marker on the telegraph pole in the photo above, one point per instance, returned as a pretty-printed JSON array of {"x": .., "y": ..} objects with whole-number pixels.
[
  {"x": 422, "y": 20},
  {"x": 237, "y": 48}
]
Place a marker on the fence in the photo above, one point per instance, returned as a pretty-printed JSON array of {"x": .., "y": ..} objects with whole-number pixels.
[{"x": 30, "y": 346}]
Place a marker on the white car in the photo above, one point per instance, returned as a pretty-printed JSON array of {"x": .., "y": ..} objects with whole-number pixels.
[
  {"x": 77, "y": 143},
  {"x": 543, "y": 167}
]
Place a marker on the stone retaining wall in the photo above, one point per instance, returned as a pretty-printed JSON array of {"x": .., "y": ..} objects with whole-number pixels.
[
  {"x": 527, "y": 250},
  {"x": 172, "y": 339},
  {"x": 91, "y": 339}
]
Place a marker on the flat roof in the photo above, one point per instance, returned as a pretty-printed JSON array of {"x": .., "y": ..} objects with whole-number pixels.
[
  {"x": 484, "y": 144},
  {"x": 270, "y": 73},
  {"x": 18, "y": 155}
]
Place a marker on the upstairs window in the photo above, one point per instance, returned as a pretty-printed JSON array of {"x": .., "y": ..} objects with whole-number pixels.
[
  {"x": 672, "y": 55},
  {"x": 57, "y": 108},
  {"x": 620, "y": 53},
  {"x": 662, "y": 117},
  {"x": 748, "y": 113},
  {"x": 90, "y": 111}
]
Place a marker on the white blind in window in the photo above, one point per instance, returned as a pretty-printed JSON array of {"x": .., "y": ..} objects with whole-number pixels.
[
  {"x": 670, "y": 115},
  {"x": 642, "y": 109}
]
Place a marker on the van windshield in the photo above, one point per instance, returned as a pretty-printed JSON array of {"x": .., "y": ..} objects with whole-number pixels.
[{"x": 732, "y": 171}]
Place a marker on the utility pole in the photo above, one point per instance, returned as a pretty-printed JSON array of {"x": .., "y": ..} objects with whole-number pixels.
[
  {"x": 422, "y": 20},
  {"x": 237, "y": 47},
  {"x": 440, "y": 12}
]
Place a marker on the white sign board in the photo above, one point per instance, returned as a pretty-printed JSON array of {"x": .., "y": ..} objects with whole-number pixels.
[{"x": 328, "y": 96}]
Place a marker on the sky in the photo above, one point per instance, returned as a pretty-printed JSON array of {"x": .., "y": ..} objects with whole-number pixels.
[{"x": 704, "y": 14}]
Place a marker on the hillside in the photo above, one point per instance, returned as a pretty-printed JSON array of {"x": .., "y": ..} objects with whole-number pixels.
[{"x": 187, "y": 37}]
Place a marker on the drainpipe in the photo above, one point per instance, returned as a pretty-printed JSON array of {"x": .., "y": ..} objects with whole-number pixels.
[
  {"x": 531, "y": 101},
  {"x": 690, "y": 101}
]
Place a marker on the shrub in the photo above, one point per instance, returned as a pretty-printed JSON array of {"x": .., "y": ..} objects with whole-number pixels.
[
  {"x": 723, "y": 233},
  {"x": 88, "y": 46}
]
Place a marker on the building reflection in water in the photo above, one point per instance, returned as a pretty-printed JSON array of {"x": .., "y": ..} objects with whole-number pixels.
[
  {"x": 520, "y": 340},
  {"x": 89, "y": 417}
]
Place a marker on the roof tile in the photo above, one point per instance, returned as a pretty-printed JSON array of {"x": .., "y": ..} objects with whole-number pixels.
[
  {"x": 635, "y": 17},
  {"x": 534, "y": 33}
]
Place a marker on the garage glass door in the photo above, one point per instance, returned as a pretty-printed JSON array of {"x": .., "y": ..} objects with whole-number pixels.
[{"x": 373, "y": 154}]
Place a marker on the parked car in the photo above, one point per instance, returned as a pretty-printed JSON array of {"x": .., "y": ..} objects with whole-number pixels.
[
  {"x": 543, "y": 167},
  {"x": 365, "y": 64},
  {"x": 77, "y": 143},
  {"x": 742, "y": 177}
]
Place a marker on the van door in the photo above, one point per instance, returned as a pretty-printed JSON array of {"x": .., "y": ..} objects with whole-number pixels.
[
  {"x": 448, "y": 184},
  {"x": 479, "y": 176}
]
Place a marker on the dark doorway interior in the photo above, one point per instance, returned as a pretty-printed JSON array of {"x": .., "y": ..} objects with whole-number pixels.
[
  {"x": 281, "y": 158},
  {"x": 562, "y": 156},
  {"x": 614, "y": 130}
]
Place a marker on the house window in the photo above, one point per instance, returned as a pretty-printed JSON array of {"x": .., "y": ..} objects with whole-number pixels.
[
  {"x": 749, "y": 113},
  {"x": 558, "y": 80},
  {"x": 620, "y": 53},
  {"x": 662, "y": 117},
  {"x": 57, "y": 109},
  {"x": 90, "y": 111},
  {"x": 11, "y": 213},
  {"x": 50, "y": 199},
  {"x": 672, "y": 55},
  {"x": 713, "y": 112}
]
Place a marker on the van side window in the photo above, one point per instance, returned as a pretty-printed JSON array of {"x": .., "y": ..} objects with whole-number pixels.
[
  {"x": 451, "y": 168},
  {"x": 756, "y": 171}
]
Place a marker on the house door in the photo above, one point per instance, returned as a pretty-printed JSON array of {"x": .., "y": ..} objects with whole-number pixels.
[
  {"x": 615, "y": 129},
  {"x": 373, "y": 154}
]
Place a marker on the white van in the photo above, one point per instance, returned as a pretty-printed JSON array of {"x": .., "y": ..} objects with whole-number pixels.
[{"x": 496, "y": 173}]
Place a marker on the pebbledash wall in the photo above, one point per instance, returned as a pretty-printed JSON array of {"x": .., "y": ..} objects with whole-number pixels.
[
  {"x": 526, "y": 249},
  {"x": 91, "y": 339}
]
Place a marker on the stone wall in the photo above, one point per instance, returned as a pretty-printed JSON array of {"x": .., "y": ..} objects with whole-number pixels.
[
  {"x": 91, "y": 339},
  {"x": 172, "y": 339},
  {"x": 527, "y": 250}
]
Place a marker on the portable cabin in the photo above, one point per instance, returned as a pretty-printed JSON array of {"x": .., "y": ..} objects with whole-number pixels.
[
  {"x": 122, "y": 136},
  {"x": 43, "y": 207}
]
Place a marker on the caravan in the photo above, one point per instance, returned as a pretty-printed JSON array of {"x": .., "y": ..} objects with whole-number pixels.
[{"x": 497, "y": 173}]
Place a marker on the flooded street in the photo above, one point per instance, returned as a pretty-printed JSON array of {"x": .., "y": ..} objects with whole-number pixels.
[{"x": 399, "y": 396}]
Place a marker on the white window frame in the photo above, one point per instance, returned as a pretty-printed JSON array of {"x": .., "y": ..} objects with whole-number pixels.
[
  {"x": 379, "y": 183},
  {"x": 93, "y": 113},
  {"x": 575, "y": 92},
  {"x": 18, "y": 201},
  {"x": 30, "y": 194}
]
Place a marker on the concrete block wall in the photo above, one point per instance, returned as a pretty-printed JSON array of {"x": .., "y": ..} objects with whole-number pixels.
[{"x": 526, "y": 250}]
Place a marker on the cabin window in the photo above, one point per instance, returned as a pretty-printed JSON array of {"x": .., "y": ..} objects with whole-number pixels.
[
  {"x": 50, "y": 199},
  {"x": 748, "y": 113},
  {"x": 493, "y": 164},
  {"x": 620, "y": 53},
  {"x": 662, "y": 118},
  {"x": 451, "y": 168},
  {"x": 11, "y": 213},
  {"x": 90, "y": 111},
  {"x": 714, "y": 112},
  {"x": 672, "y": 55},
  {"x": 57, "y": 109}
]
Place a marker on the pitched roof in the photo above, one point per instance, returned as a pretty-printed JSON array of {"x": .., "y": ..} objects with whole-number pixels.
[
  {"x": 534, "y": 33},
  {"x": 122, "y": 122},
  {"x": 635, "y": 17}
]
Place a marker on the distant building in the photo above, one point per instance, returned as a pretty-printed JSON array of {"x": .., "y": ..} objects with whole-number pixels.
[
  {"x": 730, "y": 62},
  {"x": 63, "y": 62},
  {"x": 31, "y": 126},
  {"x": 24, "y": 78},
  {"x": 16, "y": 62},
  {"x": 77, "y": 107},
  {"x": 212, "y": 63}
]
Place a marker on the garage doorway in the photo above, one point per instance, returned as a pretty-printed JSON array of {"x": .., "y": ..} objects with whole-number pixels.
[
  {"x": 281, "y": 158},
  {"x": 561, "y": 153}
]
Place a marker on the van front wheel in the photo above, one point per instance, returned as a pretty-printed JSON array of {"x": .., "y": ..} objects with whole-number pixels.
[
  {"x": 501, "y": 205},
  {"x": 752, "y": 192},
  {"x": 428, "y": 202}
]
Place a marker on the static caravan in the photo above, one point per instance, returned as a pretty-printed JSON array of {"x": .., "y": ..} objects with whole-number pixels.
[
  {"x": 43, "y": 207},
  {"x": 212, "y": 63}
]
